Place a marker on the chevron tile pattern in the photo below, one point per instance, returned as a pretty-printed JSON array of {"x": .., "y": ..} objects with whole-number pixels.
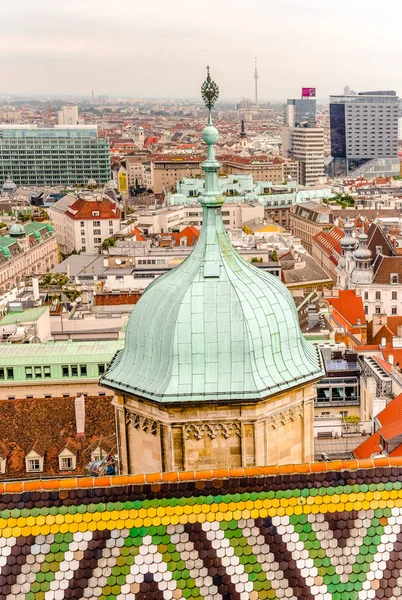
[{"x": 326, "y": 536}]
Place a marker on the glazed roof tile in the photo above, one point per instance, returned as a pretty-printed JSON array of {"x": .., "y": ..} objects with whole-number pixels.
[{"x": 349, "y": 306}]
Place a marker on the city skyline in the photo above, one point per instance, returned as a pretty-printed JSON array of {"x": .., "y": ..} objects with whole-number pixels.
[{"x": 159, "y": 52}]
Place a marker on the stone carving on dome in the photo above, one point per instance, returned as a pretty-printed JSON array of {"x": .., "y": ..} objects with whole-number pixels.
[
  {"x": 142, "y": 423},
  {"x": 286, "y": 416},
  {"x": 212, "y": 430}
]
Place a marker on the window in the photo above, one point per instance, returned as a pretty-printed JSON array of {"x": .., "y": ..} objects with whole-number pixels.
[
  {"x": 1, "y": 373},
  {"x": 46, "y": 372},
  {"x": 366, "y": 295},
  {"x": 101, "y": 369},
  {"x": 10, "y": 397},
  {"x": 29, "y": 397},
  {"x": 65, "y": 371},
  {"x": 33, "y": 464},
  {"x": 343, "y": 413},
  {"x": 110, "y": 223},
  {"x": 48, "y": 395},
  {"x": 377, "y": 310},
  {"x": 82, "y": 224},
  {"x": 97, "y": 231},
  {"x": 394, "y": 310},
  {"x": 83, "y": 249},
  {"x": 10, "y": 373},
  {"x": 394, "y": 278},
  {"x": 38, "y": 372},
  {"x": 67, "y": 461},
  {"x": 394, "y": 295},
  {"x": 83, "y": 370},
  {"x": 28, "y": 372},
  {"x": 74, "y": 370},
  {"x": 96, "y": 223},
  {"x": 97, "y": 240},
  {"x": 378, "y": 295},
  {"x": 366, "y": 309}
]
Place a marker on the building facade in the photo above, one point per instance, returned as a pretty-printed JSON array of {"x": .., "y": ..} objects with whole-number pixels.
[
  {"x": 299, "y": 112},
  {"x": 167, "y": 170},
  {"x": 364, "y": 127},
  {"x": 82, "y": 224},
  {"x": 26, "y": 250},
  {"x": 307, "y": 219},
  {"x": 58, "y": 155},
  {"x": 55, "y": 369}
]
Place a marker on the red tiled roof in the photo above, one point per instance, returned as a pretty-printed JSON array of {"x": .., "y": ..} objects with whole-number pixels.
[
  {"x": 384, "y": 364},
  {"x": 390, "y": 351},
  {"x": 349, "y": 306},
  {"x": 368, "y": 447},
  {"x": 390, "y": 420},
  {"x": 137, "y": 233},
  {"x": 190, "y": 232},
  {"x": 83, "y": 210}
]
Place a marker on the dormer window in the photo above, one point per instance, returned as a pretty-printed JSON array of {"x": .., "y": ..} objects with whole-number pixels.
[
  {"x": 95, "y": 213},
  {"x": 33, "y": 462},
  {"x": 378, "y": 249},
  {"x": 67, "y": 460},
  {"x": 394, "y": 278}
]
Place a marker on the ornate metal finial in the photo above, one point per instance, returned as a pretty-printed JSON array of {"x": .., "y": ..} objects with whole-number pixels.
[{"x": 209, "y": 91}]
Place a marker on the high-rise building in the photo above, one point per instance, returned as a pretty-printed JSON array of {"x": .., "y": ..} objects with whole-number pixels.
[
  {"x": 300, "y": 112},
  {"x": 53, "y": 155},
  {"x": 364, "y": 127},
  {"x": 308, "y": 150},
  {"x": 302, "y": 140},
  {"x": 68, "y": 115}
]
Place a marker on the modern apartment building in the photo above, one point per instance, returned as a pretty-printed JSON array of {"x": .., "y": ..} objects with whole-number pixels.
[
  {"x": 308, "y": 150},
  {"x": 364, "y": 127},
  {"x": 53, "y": 155}
]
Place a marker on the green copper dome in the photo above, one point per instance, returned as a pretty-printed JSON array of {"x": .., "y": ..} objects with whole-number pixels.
[{"x": 215, "y": 328}]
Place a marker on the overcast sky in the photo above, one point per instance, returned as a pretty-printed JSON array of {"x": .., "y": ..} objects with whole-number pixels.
[{"x": 159, "y": 48}]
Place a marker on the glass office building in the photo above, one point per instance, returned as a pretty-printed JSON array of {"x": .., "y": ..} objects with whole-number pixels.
[
  {"x": 300, "y": 112},
  {"x": 59, "y": 155}
]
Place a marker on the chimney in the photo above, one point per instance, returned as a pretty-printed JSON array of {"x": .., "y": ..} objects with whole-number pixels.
[
  {"x": 391, "y": 359},
  {"x": 383, "y": 342},
  {"x": 378, "y": 322},
  {"x": 35, "y": 287},
  {"x": 399, "y": 331},
  {"x": 80, "y": 414}
]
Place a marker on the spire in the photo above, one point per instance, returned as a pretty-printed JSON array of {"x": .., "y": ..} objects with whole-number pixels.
[
  {"x": 243, "y": 129},
  {"x": 211, "y": 195}
]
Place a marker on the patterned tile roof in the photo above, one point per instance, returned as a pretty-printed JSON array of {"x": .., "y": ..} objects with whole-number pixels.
[{"x": 327, "y": 531}]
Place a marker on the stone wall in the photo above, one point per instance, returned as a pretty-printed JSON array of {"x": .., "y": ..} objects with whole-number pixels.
[
  {"x": 278, "y": 429},
  {"x": 327, "y": 531}
]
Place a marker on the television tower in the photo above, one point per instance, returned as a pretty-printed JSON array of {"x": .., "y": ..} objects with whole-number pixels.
[{"x": 256, "y": 82}]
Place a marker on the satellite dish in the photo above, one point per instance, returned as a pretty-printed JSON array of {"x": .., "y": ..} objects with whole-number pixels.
[{"x": 118, "y": 261}]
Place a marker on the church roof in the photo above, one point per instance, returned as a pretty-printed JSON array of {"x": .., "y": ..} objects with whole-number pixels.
[{"x": 215, "y": 327}]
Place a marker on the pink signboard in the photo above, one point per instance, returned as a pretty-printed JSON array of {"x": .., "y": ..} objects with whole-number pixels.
[{"x": 308, "y": 92}]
